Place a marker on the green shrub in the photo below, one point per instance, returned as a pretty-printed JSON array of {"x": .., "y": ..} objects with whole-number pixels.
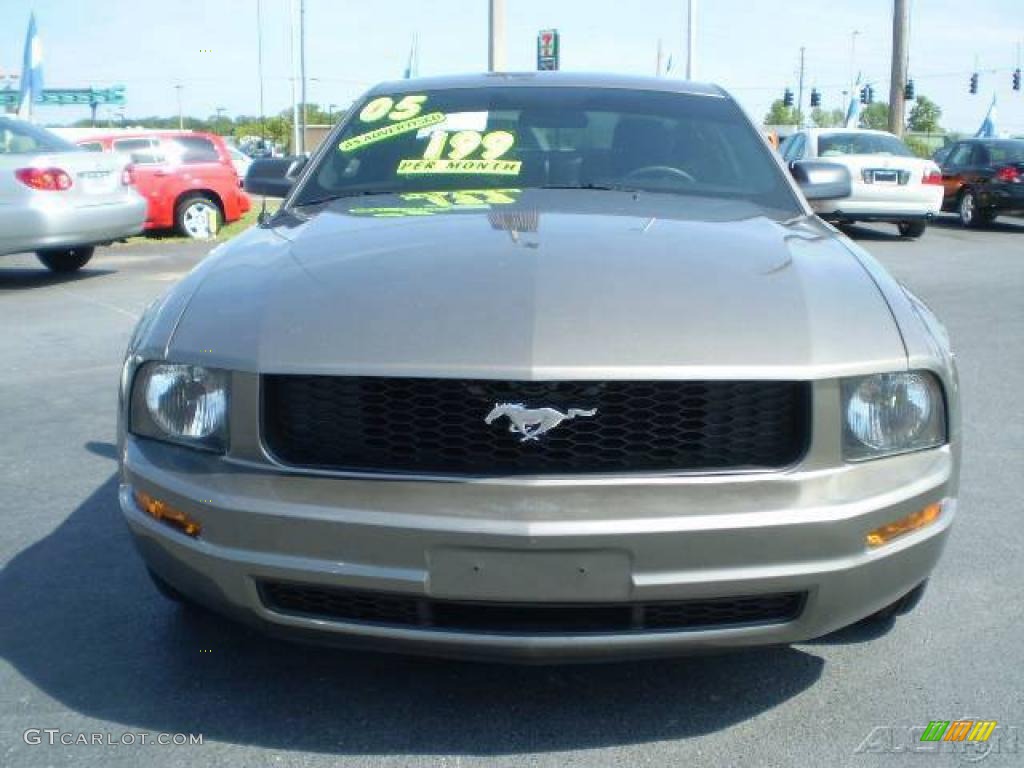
[{"x": 917, "y": 146}]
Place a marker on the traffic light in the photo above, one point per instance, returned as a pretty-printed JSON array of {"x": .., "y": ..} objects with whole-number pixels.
[
  {"x": 1016, "y": 79},
  {"x": 974, "y": 83},
  {"x": 864, "y": 95},
  {"x": 815, "y": 98},
  {"x": 908, "y": 90},
  {"x": 787, "y": 98}
]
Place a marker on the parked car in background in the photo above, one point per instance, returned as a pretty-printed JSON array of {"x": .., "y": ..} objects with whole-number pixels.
[
  {"x": 982, "y": 178},
  {"x": 940, "y": 154},
  {"x": 188, "y": 178},
  {"x": 240, "y": 160},
  {"x": 59, "y": 201},
  {"x": 889, "y": 182}
]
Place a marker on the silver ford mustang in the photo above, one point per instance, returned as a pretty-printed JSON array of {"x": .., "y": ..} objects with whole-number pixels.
[{"x": 541, "y": 367}]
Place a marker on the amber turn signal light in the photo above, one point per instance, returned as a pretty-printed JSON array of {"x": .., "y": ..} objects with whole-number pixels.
[
  {"x": 165, "y": 513},
  {"x": 912, "y": 522}
]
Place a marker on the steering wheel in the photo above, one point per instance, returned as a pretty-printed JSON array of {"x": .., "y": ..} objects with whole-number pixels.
[{"x": 660, "y": 170}]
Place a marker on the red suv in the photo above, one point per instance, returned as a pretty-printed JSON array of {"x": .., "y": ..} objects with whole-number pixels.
[{"x": 188, "y": 179}]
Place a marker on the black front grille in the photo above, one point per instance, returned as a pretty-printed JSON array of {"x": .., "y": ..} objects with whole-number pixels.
[
  {"x": 437, "y": 425},
  {"x": 528, "y": 618}
]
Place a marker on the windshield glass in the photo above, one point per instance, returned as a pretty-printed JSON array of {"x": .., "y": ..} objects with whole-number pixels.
[
  {"x": 21, "y": 138},
  {"x": 526, "y": 137},
  {"x": 833, "y": 144}
]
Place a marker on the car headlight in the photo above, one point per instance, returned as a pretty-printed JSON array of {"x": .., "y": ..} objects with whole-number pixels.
[
  {"x": 889, "y": 413},
  {"x": 185, "y": 404}
]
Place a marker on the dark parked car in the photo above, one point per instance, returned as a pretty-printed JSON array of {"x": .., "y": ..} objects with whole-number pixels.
[{"x": 983, "y": 178}]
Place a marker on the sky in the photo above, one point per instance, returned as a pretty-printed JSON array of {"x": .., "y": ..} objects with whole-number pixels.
[{"x": 750, "y": 47}]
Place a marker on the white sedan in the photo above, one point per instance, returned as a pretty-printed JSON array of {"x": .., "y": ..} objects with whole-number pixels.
[
  {"x": 59, "y": 200},
  {"x": 888, "y": 182}
]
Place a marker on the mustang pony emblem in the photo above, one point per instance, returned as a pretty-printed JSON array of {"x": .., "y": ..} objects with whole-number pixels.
[{"x": 531, "y": 423}]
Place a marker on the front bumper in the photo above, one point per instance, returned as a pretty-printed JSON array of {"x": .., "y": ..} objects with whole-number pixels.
[
  {"x": 647, "y": 539},
  {"x": 892, "y": 204},
  {"x": 53, "y": 223}
]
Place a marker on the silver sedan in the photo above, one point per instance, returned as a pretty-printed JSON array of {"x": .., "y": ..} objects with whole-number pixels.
[{"x": 61, "y": 201}]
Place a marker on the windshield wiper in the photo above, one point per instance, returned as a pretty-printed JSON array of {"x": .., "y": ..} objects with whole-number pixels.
[
  {"x": 339, "y": 195},
  {"x": 602, "y": 187}
]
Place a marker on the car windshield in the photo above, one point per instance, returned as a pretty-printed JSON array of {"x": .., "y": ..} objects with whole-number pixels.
[
  {"x": 544, "y": 137},
  {"x": 833, "y": 144},
  {"x": 21, "y": 138}
]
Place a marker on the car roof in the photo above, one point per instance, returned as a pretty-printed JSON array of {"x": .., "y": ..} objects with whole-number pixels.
[
  {"x": 157, "y": 133},
  {"x": 990, "y": 140},
  {"x": 836, "y": 129},
  {"x": 550, "y": 79}
]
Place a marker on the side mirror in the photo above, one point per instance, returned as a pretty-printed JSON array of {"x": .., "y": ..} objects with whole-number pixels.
[
  {"x": 821, "y": 181},
  {"x": 273, "y": 176}
]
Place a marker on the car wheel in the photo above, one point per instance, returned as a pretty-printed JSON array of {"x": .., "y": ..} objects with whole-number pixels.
[
  {"x": 967, "y": 209},
  {"x": 900, "y": 607},
  {"x": 912, "y": 229},
  {"x": 66, "y": 259},
  {"x": 198, "y": 217}
]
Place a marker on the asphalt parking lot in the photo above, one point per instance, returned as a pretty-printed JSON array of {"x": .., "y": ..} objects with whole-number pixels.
[{"x": 87, "y": 645}]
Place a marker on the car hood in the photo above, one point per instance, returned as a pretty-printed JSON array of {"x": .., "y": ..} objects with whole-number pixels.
[{"x": 544, "y": 285}]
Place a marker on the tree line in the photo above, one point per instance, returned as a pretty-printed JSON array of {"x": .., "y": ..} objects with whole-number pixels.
[
  {"x": 923, "y": 118},
  {"x": 276, "y": 128}
]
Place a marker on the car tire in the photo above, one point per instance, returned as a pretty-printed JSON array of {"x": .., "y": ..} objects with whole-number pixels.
[
  {"x": 967, "y": 210},
  {"x": 912, "y": 229},
  {"x": 66, "y": 259},
  {"x": 191, "y": 216},
  {"x": 900, "y": 607}
]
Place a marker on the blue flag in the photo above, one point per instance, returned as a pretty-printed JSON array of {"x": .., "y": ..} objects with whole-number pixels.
[
  {"x": 853, "y": 109},
  {"x": 31, "y": 70},
  {"x": 988, "y": 125}
]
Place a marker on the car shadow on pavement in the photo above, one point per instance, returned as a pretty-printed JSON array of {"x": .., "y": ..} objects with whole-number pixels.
[
  {"x": 860, "y": 232},
  {"x": 1004, "y": 224},
  {"x": 862, "y": 632},
  {"x": 22, "y": 278},
  {"x": 84, "y": 625}
]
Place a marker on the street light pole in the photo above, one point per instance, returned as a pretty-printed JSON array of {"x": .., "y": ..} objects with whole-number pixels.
[
  {"x": 691, "y": 39},
  {"x": 181, "y": 118},
  {"x": 302, "y": 73},
  {"x": 800, "y": 91},
  {"x": 294, "y": 28},
  {"x": 496, "y": 36},
  {"x": 853, "y": 62}
]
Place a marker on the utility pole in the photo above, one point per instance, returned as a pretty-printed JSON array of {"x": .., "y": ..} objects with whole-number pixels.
[
  {"x": 296, "y": 127},
  {"x": 302, "y": 74},
  {"x": 898, "y": 81},
  {"x": 181, "y": 118},
  {"x": 691, "y": 39},
  {"x": 800, "y": 91},
  {"x": 496, "y": 36}
]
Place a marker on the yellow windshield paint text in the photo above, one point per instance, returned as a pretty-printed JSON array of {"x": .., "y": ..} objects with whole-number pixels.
[
  {"x": 390, "y": 131},
  {"x": 424, "y": 167}
]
